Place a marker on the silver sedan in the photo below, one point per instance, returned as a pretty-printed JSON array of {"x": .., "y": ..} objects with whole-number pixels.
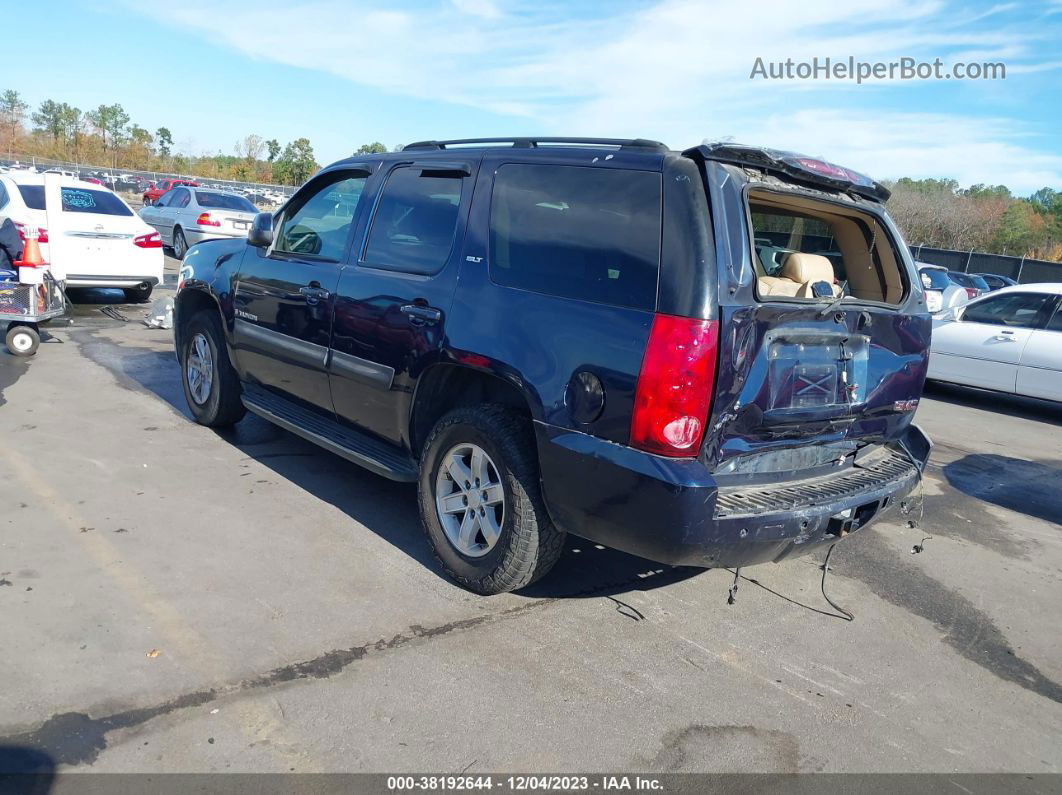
[{"x": 185, "y": 216}]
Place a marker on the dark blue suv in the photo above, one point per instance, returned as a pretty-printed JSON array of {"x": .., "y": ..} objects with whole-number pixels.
[{"x": 707, "y": 358}]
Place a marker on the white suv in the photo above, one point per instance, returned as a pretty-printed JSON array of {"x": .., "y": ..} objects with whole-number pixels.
[{"x": 104, "y": 243}]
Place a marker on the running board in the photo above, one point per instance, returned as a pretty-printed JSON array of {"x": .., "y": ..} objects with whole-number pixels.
[{"x": 355, "y": 446}]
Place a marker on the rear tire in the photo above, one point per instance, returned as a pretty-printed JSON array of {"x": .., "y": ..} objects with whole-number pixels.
[
  {"x": 211, "y": 386},
  {"x": 140, "y": 294},
  {"x": 180, "y": 245},
  {"x": 528, "y": 544},
  {"x": 22, "y": 340}
]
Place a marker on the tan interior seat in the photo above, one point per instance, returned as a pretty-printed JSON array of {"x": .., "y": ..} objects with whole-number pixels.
[{"x": 799, "y": 272}]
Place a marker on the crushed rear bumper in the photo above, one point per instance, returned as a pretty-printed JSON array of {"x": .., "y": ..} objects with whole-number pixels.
[{"x": 673, "y": 511}]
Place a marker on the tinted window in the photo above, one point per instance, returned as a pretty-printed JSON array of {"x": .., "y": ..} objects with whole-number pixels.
[
  {"x": 415, "y": 222},
  {"x": 586, "y": 233},
  {"x": 223, "y": 201},
  {"x": 1023, "y": 310},
  {"x": 165, "y": 199},
  {"x": 933, "y": 279},
  {"x": 181, "y": 198},
  {"x": 76, "y": 200},
  {"x": 3, "y": 196},
  {"x": 318, "y": 221}
]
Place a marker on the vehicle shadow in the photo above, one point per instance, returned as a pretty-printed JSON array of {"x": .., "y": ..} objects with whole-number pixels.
[
  {"x": 998, "y": 402},
  {"x": 390, "y": 510},
  {"x": 1028, "y": 487},
  {"x": 25, "y": 770}
]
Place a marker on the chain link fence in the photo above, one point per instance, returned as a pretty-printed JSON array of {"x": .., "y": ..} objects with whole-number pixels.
[{"x": 133, "y": 182}]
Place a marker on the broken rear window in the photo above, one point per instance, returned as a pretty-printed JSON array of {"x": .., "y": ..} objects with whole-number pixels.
[{"x": 815, "y": 250}]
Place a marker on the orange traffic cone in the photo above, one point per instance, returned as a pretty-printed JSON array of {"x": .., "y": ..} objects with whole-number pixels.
[{"x": 31, "y": 252}]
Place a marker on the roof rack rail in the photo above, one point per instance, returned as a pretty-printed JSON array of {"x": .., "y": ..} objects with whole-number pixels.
[{"x": 533, "y": 142}]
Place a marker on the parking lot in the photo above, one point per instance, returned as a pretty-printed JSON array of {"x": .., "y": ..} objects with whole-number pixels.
[{"x": 179, "y": 599}]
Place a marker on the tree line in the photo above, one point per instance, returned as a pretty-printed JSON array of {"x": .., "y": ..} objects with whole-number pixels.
[
  {"x": 107, "y": 135},
  {"x": 941, "y": 214}
]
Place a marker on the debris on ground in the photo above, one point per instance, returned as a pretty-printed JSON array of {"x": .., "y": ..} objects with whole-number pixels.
[{"x": 160, "y": 315}]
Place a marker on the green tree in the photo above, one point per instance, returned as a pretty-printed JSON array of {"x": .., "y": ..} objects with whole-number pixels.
[
  {"x": 165, "y": 141},
  {"x": 1017, "y": 228},
  {"x": 273, "y": 147},
  {"x": 111, "y": 121},
  {"x": 375, "y": 148},
  {"x": 296, "y": 163},
  {"x": 49, "y": 119},
  {"x": 12, "y": 112},
  {"x": 73, "y": 128}
]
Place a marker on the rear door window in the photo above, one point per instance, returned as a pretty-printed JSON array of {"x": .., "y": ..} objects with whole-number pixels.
[
  {"x": 578, "y": 232},
  {"x": 415, "y": 223}
]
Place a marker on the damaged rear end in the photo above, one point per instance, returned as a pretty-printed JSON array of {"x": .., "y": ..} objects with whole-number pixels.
[{"x": 822, "y": 354}]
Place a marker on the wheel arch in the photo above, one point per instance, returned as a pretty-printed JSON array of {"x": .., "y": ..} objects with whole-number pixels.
[
  {"x": 187, "y": 303},
  {"x": 446, "y": 386}
]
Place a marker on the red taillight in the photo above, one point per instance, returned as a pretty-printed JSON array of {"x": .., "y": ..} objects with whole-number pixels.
[
  {"x": 151, "y": 240},
  {"x": 675, "y": 386},
  {"x": 971, "y": 291},
  {"x": 204, "y": 219},
  {"x": 42, "y": 233}
]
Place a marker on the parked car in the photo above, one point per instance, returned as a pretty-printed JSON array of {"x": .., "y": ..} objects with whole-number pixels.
[
  {"x": 91, "y": 180},
  {"x": 186, "y": 216},
  {"x": 105, "y": 243},
  {"x": 153, "y": 194},
  {"x": 974, "y": 285},
  {"x": 578, "y": 345},
  {"x": 997, "y": 282},
  {"x": 1009, "y": 340},
  {"x": 941, "y": 292}
]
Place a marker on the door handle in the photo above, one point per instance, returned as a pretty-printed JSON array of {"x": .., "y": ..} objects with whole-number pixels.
[
  {"x": 1005, "y": 336},
  {"x": 420, "y": 315},
  {"x": 315, "y": 293}
]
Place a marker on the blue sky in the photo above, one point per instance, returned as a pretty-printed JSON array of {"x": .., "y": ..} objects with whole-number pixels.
[{"x": 345, "y": 72}]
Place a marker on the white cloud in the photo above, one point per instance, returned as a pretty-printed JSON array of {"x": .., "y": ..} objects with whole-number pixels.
[
  {"x": 478, "y": 8},
  {"x": 676, "y": 70}
]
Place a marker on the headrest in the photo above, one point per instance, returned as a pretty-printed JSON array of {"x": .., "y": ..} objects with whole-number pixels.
[{"x": 803, "y": 268}]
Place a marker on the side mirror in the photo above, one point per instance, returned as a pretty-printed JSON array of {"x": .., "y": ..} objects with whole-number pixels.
[
  {"x": 950, "y": 314},
  {"x": 261, "y": 232}
]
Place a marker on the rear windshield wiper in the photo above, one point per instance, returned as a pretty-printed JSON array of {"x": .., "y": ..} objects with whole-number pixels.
[{"x": 836, "y": 302}]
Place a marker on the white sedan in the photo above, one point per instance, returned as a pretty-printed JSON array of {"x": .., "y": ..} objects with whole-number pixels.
[
  {"x": 1009, "y": 340},
  {"x": 103, "y": 242}
]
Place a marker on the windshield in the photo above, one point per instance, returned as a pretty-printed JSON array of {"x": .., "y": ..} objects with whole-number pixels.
[
  {"x": 77, "y": 200},
  {"x": 934, "y": 279},
  {"x": 224, "y": 201}
]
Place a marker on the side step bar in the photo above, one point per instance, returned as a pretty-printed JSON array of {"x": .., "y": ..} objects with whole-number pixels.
[{"x": 357, "y": 447}]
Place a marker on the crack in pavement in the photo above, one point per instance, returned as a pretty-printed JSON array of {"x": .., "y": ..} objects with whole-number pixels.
[{"x": 73, "y": 738}]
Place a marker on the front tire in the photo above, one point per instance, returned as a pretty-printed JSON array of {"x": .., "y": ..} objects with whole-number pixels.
[
  {"x": 180, "y": 245},
  {"x": 211, "y": 386},
  {"x": 480, "y": 501}
]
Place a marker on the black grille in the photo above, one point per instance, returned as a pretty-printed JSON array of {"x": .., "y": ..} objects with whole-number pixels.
[{"x": 889, "y": 467}]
